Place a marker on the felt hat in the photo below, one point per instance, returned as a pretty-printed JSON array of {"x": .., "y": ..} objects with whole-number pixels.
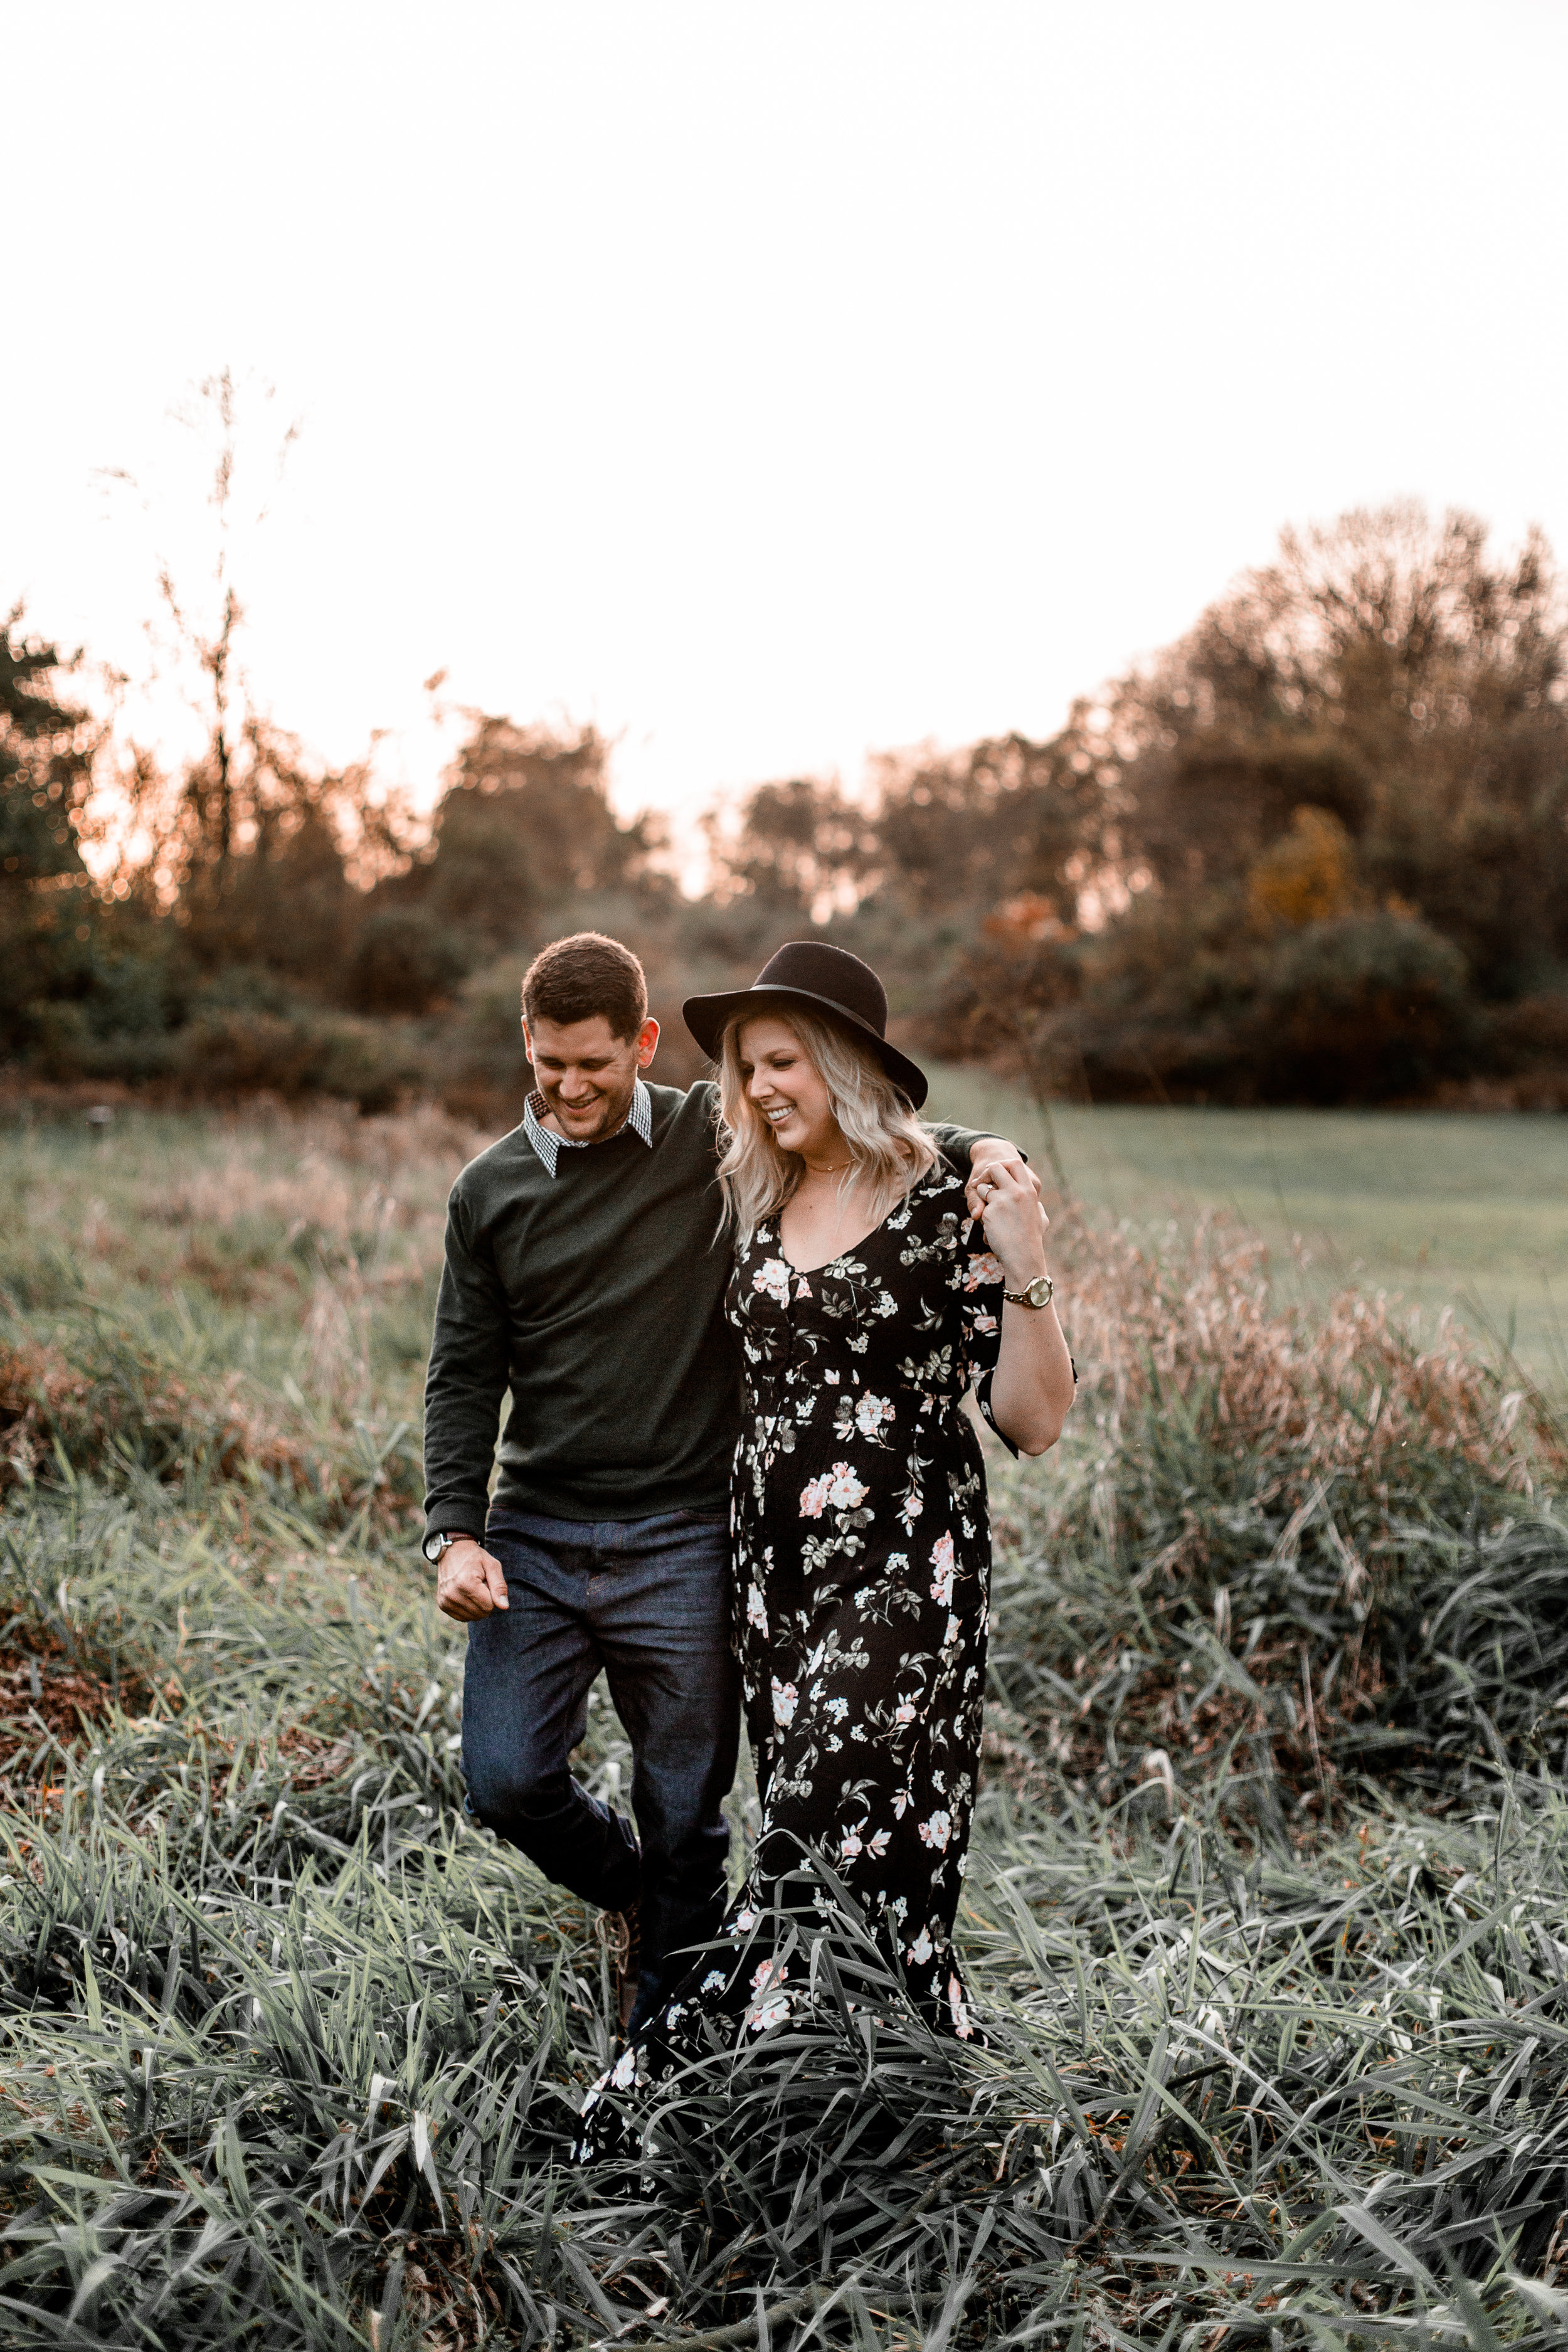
[{"x": 827, "y": 980}]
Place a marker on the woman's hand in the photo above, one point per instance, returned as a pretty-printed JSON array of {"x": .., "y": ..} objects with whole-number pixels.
[
  {"x": 986, "y": 1154},
  {"x": 1014, "y": 1222}
]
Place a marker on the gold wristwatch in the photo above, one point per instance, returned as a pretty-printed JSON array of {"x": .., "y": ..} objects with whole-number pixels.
[{"x": 1034, "y": 1293}]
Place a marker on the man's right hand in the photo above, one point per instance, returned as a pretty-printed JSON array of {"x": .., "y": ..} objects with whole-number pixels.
[{"x": 469, "y": 1582}]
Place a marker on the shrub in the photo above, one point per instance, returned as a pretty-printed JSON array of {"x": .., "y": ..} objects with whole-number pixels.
[{"x": 1362, "y": 1008}]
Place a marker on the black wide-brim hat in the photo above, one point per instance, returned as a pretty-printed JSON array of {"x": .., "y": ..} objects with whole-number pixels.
[{"x": 828, "y": 980}]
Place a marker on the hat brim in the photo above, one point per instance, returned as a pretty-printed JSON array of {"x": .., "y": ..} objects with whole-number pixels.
[{"x": 707, "y": 1017}]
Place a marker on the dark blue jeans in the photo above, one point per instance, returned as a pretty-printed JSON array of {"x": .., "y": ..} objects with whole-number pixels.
[{"x": 649, "y": 1600}]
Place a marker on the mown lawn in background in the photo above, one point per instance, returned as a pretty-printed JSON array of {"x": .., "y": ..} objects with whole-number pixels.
[{"x": 1447, "y": 1209}]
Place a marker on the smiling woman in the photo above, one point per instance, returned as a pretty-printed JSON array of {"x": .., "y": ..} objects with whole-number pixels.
[{"x": 868, "y": 1297}]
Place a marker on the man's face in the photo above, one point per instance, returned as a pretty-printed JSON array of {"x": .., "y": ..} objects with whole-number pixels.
[{"x": 587, "y": 1073}]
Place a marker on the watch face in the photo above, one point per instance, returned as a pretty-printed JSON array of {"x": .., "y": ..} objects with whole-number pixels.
[{"x": 432, "y": 1547}]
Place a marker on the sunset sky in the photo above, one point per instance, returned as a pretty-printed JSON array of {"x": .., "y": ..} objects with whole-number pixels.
[{"x": 767, "y": 385}]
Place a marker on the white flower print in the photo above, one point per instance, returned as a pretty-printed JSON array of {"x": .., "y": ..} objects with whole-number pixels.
[
  {"x": 756, "y": 1611},
  {"x": 877, "y": 1846},
  {"x": 921, "y": 1950},
  {"x": 905, "y": 1711},
  {"x": 951, "y": 1637},
  {"x": 887, "y": 1303},
  {"x": 962, "y": 2025},
  {"x": 942, "y": 1560},
  {"x": 911, "y": 1509},
  {"x": 715, "y": 1980},
  {"x": 772, "y": 1277},
  {"x": 831, "y": 1377},
  {"x": 937, "y": 1830},
  {"x": 986, "y": 1323},
  {"x": 786, "y": 1699},
  {"x": 847, "y": 1493},
  {"x": 985, "y": 1268},
  {"x": 814, "y": 1499},
  {"x": 803, "y": 1288},
  {"x": 871, "y": 1412}
]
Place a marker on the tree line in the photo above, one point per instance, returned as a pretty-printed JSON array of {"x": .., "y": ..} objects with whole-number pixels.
[{"x": 1315, "y": 852}]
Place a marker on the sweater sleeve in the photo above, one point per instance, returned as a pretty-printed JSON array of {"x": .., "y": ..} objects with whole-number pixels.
[
  {"x": 955, "y": 1143},
  {"x": 467, "y": 1378}
]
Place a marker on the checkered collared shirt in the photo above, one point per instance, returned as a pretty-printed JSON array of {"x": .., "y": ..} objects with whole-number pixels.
[{"x": 548, "y": 1145}]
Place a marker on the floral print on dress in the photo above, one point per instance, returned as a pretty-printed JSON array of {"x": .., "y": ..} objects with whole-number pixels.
[{"x": 862, "y": 1556}]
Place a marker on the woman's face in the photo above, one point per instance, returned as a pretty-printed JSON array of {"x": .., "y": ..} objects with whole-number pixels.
[{"x": 785, "y": 1087}]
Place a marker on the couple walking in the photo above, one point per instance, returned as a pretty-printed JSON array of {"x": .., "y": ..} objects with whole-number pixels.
[{"x": 736, "y": 1325}]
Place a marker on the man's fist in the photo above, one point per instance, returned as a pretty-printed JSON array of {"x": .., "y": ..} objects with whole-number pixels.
[{"x": 469, "y": 1582}]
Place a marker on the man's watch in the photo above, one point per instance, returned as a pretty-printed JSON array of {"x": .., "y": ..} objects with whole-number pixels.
[
  {"x": 1034, "y": 1293},
  {"x": 434, "y": 1548}
]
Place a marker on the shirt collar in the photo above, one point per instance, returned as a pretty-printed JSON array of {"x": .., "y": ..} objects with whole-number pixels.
[{"x": 548, "y": 1145}]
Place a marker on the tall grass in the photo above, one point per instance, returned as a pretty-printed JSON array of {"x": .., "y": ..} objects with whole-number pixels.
[{"x": 1268, "y": 1912}]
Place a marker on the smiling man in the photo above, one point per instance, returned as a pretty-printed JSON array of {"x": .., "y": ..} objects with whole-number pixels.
[{"x": 585, "y": 1273}]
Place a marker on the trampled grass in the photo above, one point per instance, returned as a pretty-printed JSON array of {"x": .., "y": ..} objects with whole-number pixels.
[{"x": 1267, "y": 1916}]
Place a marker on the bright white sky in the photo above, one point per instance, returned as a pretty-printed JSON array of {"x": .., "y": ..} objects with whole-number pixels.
[{"x": 768, "y": 384}]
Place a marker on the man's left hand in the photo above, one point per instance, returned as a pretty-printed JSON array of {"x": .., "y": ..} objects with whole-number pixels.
[{"x": 994, "y": 1151}]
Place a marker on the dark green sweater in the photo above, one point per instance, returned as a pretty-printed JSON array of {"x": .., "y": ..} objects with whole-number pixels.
[{"x": 596, "y": 1296}]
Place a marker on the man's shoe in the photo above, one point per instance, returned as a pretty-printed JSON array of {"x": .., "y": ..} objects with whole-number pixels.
[{"x": 622, "y": 1935}]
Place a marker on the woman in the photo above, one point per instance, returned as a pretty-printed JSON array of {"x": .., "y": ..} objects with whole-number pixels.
[{"x": 865, "y": 1301}]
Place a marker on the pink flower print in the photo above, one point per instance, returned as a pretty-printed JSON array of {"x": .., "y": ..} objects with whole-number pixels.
[
  {"x": 962, "y": 2025},
  {"x": 984, "y": 1268},
  {"x": 870, "y": 1413},
  {"x": 772, "y": 1277},
  {"x": 756, "y": 1611},
  {"x": 937, "y": 1830},
  {"x": 911, "y": 1509},
  {"x": 985, "y": 1323},
  {"x": 951, "y": 1637},
  {"x": 803, "y": 1288},
  {"x": 772, "y": 2004},
  {"x": 786, "y": 1699},
  {"x": 846, "y": 1493},
  {"x": 905, "y": 1711},
  {"x": 814, "y": 1499},
  {"x": 942, "y": 1560},
  {"x": 832, "y": 1378},
  {"x": 921, "y": 1950},
  {"x": 851, "y": 1846}
]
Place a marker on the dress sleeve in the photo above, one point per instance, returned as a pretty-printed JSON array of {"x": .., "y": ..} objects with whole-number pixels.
[{"x": 981, "y": 1309}]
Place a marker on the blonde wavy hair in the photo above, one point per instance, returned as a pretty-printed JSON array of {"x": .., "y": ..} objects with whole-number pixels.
[{"x": 889, "y": 1149}]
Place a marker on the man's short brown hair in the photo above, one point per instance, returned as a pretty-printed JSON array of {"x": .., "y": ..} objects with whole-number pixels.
[{"x": 573, "y": 979}]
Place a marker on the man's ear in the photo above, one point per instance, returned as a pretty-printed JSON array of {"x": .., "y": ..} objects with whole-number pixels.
[
  {"x": 527, "y": 1042},
  {"x": 647, "y": 1042}
]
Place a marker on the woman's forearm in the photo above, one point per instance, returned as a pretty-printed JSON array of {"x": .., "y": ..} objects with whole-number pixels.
[{"x": 1032, "y": 1386}]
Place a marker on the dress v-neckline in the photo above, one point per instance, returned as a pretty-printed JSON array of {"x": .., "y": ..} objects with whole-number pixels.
[{"x": 806, "y": 1271}]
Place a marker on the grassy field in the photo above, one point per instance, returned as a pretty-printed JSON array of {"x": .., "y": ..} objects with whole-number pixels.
[
  {"x": 1443, "y": 1210},
  {"x": 1267, "y": 1915}
]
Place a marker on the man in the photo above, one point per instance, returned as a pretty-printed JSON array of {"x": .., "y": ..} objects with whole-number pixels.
[{"x": 585, "y": 1273}]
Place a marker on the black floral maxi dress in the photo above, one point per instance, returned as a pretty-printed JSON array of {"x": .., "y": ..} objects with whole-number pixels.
[{"x": 862, "y": 1557}]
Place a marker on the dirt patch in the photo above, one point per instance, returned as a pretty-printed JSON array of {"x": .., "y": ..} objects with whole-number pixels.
[{"x": 42, "y": 1691}]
